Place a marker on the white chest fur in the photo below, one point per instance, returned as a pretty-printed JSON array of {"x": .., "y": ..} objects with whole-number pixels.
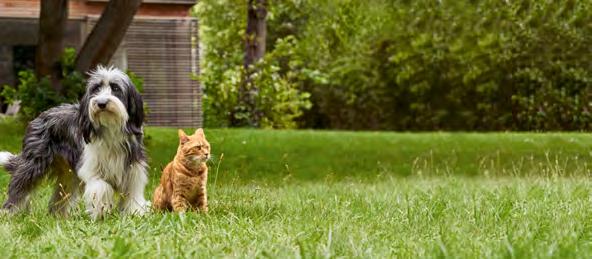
[
  {"x": 106, "y": 170},
  {"x": 105, "y": 158}
]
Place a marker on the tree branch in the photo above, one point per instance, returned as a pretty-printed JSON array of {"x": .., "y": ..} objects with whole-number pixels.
[{"x": 107, "y": 34}]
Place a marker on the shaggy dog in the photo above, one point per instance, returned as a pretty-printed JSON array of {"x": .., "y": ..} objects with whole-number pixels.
[{"x": 98, "y": 142}]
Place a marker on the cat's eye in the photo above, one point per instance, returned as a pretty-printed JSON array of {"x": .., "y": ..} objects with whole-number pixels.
[{"x": 198, "y": 147}]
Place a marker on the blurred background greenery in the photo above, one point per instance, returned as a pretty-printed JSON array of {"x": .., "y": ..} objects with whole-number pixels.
[{"x": 405, "y": 65}]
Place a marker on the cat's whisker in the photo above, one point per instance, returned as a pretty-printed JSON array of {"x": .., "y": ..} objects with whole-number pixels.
[{"x": 212, "y": 160}]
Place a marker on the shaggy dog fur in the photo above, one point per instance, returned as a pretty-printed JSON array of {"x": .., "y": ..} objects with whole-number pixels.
[{"x": 97, "y": 144}]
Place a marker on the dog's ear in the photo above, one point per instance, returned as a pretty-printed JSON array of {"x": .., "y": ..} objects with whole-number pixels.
[
  {"x": 135, "y": 109},
  {"x": 85, "y": 126}
]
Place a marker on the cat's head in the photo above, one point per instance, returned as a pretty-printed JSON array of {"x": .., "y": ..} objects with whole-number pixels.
[{"x": 194, "y": 148}]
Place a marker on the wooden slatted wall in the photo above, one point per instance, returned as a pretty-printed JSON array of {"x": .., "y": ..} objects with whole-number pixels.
[{"x": 164, "y": 53}]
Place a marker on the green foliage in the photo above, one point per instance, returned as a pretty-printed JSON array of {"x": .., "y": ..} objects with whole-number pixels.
[
  {"x": 425, "y": 65},
  {"x": 136, "y": 80},
  {"x": 37, "y": 94},
  {"x": 454, "y": 65},
  {"x": 280, "y": 100}
]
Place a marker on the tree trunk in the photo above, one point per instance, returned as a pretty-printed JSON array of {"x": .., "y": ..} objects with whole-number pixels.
[
  {"x": 256, "y": 34},
  {"x": 52, "y": 24},
  {"x": 102, "y": 42}
]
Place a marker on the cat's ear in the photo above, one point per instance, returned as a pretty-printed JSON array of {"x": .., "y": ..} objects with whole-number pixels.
[
  {"x": 183, "y": 138},
  {"x": 199, "y": 132}
]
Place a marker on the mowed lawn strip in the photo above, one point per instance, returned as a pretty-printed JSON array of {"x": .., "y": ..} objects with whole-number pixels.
[
  {"x": 276, "y": 155},
  {"x": 272, "y": 155}
]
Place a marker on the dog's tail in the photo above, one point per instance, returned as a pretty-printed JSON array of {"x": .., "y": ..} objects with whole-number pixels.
[{"x": 5, "y": 157}]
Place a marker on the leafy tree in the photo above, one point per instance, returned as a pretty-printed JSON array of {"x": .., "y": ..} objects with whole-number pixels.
[
  {"x": 278, "y": 99},
  {"x": 417, "y": 65},
  {"x": 247, "y": 112}
]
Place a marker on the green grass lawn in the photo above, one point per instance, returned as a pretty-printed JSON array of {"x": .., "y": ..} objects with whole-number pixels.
[{"x": 344, "y": 194}]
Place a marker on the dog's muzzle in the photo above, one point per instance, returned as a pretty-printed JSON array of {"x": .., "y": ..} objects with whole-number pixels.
[{"x": 102, "y": 103}]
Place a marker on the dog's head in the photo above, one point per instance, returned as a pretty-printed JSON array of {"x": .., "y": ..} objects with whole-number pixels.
[{"x": 111, "y": 101}]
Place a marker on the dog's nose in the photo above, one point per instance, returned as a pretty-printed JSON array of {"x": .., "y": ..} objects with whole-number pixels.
[{"x": 102, "y": 103}]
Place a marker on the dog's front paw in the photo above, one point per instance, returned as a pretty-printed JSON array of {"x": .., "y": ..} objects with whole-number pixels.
[
  {"x": 99, "y": 212},
  {"x": 144, "y": 208},
  {"x": 137, "y": 207}
]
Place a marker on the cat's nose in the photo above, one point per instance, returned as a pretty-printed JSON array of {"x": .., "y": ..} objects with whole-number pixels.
[{"x": 207, "y": 154}]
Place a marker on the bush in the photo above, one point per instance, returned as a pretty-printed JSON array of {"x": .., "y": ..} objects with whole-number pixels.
[
  {"x": 37, "y": 94},
  {"x": 454, "y": 65},
  {"x": 426, "y": 65},
  {"x": 280, "y": 100}
]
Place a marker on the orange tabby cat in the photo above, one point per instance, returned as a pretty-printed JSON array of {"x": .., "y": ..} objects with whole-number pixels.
[{"x": 183, "y": 181}]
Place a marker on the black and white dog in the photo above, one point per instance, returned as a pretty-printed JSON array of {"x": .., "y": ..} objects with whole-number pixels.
[{"x": 98, "y": 142}]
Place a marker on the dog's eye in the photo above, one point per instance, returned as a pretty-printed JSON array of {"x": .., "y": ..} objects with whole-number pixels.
[
  {"x": 115, "y": 87},
  {"x": 95, "y": 88}
]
